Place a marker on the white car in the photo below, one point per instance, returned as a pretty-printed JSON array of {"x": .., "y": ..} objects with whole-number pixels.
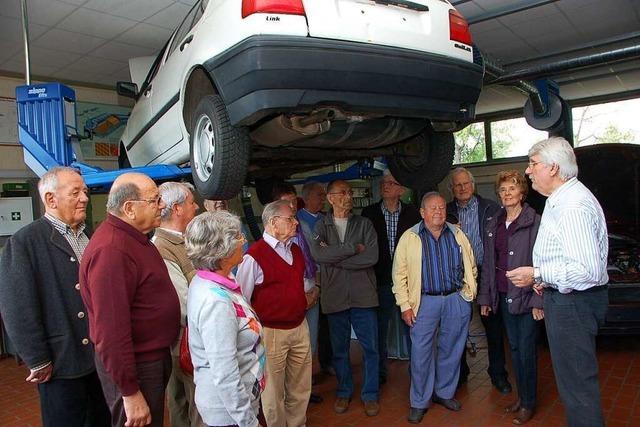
[{"x": 275, "y": 87}]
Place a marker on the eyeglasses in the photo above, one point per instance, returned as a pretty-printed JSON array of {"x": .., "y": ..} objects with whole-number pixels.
[
  {"x": 288, "y": 218},
  {"x": 503, "y": 190},
  {"x": 462, "y": 184},
  {"x": 155, "y": 201},
  {"x": 242, "y": 238},
  {"x": 392, "y": 183},
  {"x": 343, "y": 193},
  {"x": 532, "y": 164}
]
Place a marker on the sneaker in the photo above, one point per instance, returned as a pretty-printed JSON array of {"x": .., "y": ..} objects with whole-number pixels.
[
  {"x": 341, "y": 405},
  {"x": 371, "y": 408}
]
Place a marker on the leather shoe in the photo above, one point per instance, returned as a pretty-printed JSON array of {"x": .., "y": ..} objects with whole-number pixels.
[
  {"x": 416, "y": 415},
  {"x": 315, "y": 398},
  {"x": 523, "y": 416},
  {"x": 450, "y": 404},
  {"x": 341, "y": 405},
  {"x": 502, "y": 385},
  {"x": 514, "y": 407},
  {"x": 371, "y": 408}
]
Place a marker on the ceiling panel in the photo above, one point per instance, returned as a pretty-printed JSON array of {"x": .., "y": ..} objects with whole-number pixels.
[
  {"x": 137, "y": 10},
  {"x": 117, "y": 51},
  {"x": 43, "y": 12},
  {"x": 96, "y": 24},
  {"x": 146, "y": 35},
  {"x": 69, "y": 41},
  {"x": 166, "y": 18}
]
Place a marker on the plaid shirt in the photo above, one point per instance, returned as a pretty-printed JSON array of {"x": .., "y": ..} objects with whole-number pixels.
[
  {"x": 391, "y": 219},
  {"x": 468, "y": 216},
  {"x": 78, "y": 241}
]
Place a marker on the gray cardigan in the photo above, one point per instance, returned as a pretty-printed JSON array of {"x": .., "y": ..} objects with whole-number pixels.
[
  {"x": 347, "y": 279},
  {"x": 40, "y": 301}
]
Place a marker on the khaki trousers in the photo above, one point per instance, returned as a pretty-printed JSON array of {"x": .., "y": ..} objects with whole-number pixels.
[
  {"x": 288, "y": 370},
  {"x": 180, "y": 398}
]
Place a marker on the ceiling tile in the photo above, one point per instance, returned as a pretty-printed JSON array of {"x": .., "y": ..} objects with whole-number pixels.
[
  {"x": 93, "y": 65},
  {"x": 138, "y": 10},
  {"x": 41, "y": 70},
  {"x": 96, "y": 24},
  {"x": 76, "y": 2},
  {"x": 8, "y": 50},
  {"x": 189, "y": 2},
  {"x": 170, "y": 17},
  {"x": 68, "y": 41},
  {"x": 146, "y": 35},
  {"x": 11, "y": 30},
  {"x": 117, "y": 51},
  {"x": 47, "y": 57},
  {"x": 43, "y": 12}
]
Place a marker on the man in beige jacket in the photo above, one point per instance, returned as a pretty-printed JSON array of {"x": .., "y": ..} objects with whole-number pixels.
[{"x": 434, "y": 283}]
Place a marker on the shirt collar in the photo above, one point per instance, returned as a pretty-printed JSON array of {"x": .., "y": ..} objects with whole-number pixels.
[
  {"x": 385, "y": 210},
  {"x": 472, "y": 203},
  {"x": 127, "y": 228},
  {"x": 64, "y": 228},
  {"x": 273, "y": 242},
  {"x": 212, "y": 276},
  {"x": 315, "y": 215},
  {"x": 423, "y": 228},
  {"x": 555, "y": 197}
]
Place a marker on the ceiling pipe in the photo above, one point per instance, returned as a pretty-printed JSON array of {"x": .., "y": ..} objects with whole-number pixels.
[
  {"x": 25, "y": 36},
  {"x": 526, "y": 87},
  {"x": 545, "y": 70}
]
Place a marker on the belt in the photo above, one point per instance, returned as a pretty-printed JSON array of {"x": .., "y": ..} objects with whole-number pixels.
[
  {"x": 585, "y": 291},
  {"x": 439, "y": 294}
]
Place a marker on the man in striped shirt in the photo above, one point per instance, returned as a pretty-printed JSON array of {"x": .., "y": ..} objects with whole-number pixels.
[
  {"x": 570, "y": 264},
  {"x": 434, "y": 283}
]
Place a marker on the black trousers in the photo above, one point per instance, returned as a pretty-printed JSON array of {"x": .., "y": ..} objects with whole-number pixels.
[
  {"x": 572, "y": 321},
  {"x": 325, "y": 353},
  {"x": 76, "y": 402}
]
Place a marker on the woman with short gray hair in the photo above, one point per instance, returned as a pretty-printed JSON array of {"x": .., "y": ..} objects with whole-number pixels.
[{"x": 224, "y": 332}]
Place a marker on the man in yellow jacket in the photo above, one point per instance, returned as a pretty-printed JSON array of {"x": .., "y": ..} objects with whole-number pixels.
[{"x": 434, "y": 282}]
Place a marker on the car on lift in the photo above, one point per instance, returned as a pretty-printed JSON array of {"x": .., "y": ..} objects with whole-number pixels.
[{"x": 276, "y": 87}]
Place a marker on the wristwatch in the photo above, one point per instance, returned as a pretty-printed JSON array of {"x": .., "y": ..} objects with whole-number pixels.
[{"x": 537, "y": 277}]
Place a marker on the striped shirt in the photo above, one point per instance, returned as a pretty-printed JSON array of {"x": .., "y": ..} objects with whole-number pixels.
[
  {"x": 391, "y": 220},
  {"x": 78, "y": 240},
  {"x": 469, "y": 218},
  {"x": 442, "y": 269},
  {"x": 572, "y": 244}
]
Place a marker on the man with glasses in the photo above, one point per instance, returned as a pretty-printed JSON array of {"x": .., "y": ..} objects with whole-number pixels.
[
  {"x": 473, "y": 212},
  {"x": 180, "y": 208},
  {"x": 346, "y": 247},
  {"x": 570, "y": 265},
  {"x": 133, "y": 308},
  {"x": 390, "y": 218},
  {"x": 271, "y": 276}
]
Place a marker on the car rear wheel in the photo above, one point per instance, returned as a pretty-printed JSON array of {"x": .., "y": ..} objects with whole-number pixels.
[
  {"x": 423, "y": 160},
  {"x": 219, "y": 151}
]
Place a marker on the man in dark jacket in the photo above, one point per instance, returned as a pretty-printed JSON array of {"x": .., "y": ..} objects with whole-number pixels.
[
  {"x": 473, "y": 212},
  {"x": 42, "y": 309},
  {"x": 390, "y": 218}
]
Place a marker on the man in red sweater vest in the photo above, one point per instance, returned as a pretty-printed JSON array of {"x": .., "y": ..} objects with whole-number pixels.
[
  {"x": 132, "y": 306},
  {"x": 271, "y": 277}
]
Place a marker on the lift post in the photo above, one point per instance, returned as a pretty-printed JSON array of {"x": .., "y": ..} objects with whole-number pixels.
[{"x": 47, "y": 131}]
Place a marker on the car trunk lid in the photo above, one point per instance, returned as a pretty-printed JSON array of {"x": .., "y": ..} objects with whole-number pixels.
[{"x": 417, "y": 24}]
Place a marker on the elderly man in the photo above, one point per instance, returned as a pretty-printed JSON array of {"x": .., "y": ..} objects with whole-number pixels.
[
  {"x": 42, "y": 309},
  {"x": 434, "y": 281},
  {"x": 570, "y": 264},
  {"x": 473, "y": 212},
  {"x": 312, "y": 291},
  {"x": 271, "y": 276},
  {"x": 133, "y": 309},
  {"x": 346, "y": 247},
  {"x": 390, "y": 218},
  {"x": 180, "y": 208},
  {"x": 314, "y": 196}
]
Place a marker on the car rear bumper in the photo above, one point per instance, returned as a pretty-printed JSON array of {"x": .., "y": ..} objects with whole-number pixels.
[
  {"x": 623, "y": 314},
  {"x": 263, "y": 75}
]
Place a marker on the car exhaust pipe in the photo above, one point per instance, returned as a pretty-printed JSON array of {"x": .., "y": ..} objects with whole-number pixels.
[
  {"x": 317, "y": 117},
  {"x": 282, "y": 130}
]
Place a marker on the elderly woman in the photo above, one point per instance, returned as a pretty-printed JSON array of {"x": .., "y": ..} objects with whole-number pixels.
[
  {"x": 224, "y": 332},
  {"x": 508, "y": 243}
]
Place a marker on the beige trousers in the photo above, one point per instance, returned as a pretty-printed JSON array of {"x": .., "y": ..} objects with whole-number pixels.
[
  {"x": 288, "y": 370},
  {"x": 180, "y": 398}
]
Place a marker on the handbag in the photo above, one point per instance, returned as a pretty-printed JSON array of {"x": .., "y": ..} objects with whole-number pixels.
[{"x": 185, "y": 356}]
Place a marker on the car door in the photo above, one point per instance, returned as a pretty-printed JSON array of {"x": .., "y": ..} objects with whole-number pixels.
[{"x": 170, "y": 80}]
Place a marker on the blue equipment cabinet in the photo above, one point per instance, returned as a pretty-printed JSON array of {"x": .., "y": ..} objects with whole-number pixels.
[{"x": 47, "y": 128}]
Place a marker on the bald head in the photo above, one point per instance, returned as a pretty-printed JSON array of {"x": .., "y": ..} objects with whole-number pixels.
[{"x": 135, "y": 199}]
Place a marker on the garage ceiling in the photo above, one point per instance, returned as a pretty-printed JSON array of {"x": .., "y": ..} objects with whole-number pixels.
[{"x": 90, "y": 41}]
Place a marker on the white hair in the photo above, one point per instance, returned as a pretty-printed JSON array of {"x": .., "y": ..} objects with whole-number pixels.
[
  {"x": 49, "y": 181},
  {"x": 173, "y": 193},
  {"x": 120, "y": 195},
  {"x": 274, "y": 209},
  {"x": 211, "y": 237},
  {"x": 458, "y": 170},
  {"x": 557, "y": 151},
  {"x": 430, "y": 195},
  {"x": 308, "y": 187}
]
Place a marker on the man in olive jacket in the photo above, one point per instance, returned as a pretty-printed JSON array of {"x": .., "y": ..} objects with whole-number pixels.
[
  {"x": 346, "y": 248},
  {"x": 42, "y": 309}
]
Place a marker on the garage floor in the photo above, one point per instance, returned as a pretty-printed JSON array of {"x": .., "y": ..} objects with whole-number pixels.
[{"x": 482, "y": 405}]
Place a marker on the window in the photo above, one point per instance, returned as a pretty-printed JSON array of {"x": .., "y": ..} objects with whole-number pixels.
[
  {"x": 612, "y": 122},
  {"x": 470, "y": 144},
  {"x": 185, "y": 27},
  {"x": 513, "y": 138}
]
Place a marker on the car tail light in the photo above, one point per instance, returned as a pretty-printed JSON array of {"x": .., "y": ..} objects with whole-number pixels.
[
  {"x": 459, "y": 28},
  {"x": 286, "y": 7}
]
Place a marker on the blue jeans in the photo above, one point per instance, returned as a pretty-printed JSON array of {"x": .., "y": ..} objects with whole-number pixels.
[
  {"x": 312, "y": 316},
  {"x": 365, "y": 324},
  {"x": 522, "y": 332},
  {"x": 572, "y": 322}
]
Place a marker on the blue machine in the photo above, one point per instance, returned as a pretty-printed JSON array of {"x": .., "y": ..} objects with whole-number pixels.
[{"x": 47, "y": 129}]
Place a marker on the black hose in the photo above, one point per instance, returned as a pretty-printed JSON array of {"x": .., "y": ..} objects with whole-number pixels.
[{"x": 250, "y": 217}]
